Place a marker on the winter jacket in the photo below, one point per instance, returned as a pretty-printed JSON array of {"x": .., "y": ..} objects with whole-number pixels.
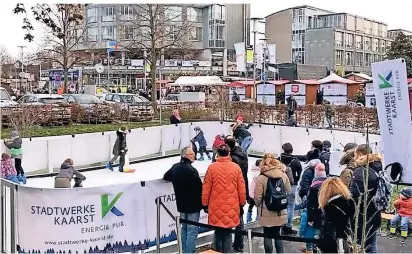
[
  {"x": 67, "y": 171},
  {"x": 254, "y": 173},
  {"x": 305, "y": 230},
  {"x": 294, "y": 164},
  {"x": 325, "y": 159},
  {"x": 240, "y": 158},
  {"x": 314, "y": 212},
  {"x": 268, "y": 218},
  {"x": 306, "y": 178},
  {"x": 15, "y": 146},
  {"x": 218, "y": 141},
  {"x": 120, "y": 143},
  {"x": 357, "y": 188},
  {"x": 241, "y": 132},
  {"x": 200, "y": 138},
  {"x": 292, "y": 105},
  {"x": 403, "y": 207},
  {"x": 187, "y": 186},
  {"x": 7, "y": 169},
  {"x": 224, "y": 193},
  {"x": 337, "y": 217},
  {"x": 329, "y": 110},
  {"x": 348, "y": 159}
]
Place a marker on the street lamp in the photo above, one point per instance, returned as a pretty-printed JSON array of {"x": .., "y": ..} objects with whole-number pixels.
[{"x": 254, "y": 31}]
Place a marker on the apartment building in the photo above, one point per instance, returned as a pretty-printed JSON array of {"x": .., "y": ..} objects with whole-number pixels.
[
  {"x": 345, "y": 41},
  {"x": 287, "y": 29},
  {"x": 213, "y": 29},
  {"x": 393, "y": 33}
]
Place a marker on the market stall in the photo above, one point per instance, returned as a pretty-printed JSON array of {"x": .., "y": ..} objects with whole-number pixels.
[
  {"x": 335, "y": 89},
  {"x": 266, "y": 91},
  {"x": 202, "y": 87}
]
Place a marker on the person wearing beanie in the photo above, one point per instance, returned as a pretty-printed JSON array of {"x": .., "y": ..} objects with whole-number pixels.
[
  {"x": 403, "y": 206},
  {"x": 325, "y": 155},
  {"x": 348, "y": 159},
  {"x": 241, "y": 133},
  {"x": 119, "y": 149},
  {"x": 308, "y": 174},
  {"x": 200, "y": 138},
  {"x": 16, "y": 151},
  {"x": 219, "y": 140}
]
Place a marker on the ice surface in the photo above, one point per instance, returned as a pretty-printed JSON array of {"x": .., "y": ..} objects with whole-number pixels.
[{"x": 145, "y": 171}]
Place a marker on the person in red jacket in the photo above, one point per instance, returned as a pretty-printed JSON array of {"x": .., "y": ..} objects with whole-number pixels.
[
  {"x": 219, "y": 140},
  {"x": 403, "y": 206}
]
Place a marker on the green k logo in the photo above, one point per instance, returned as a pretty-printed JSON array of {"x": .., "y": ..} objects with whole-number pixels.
[
  {"x": 385, "y": 82},
  {"x": 109, "y": 207}
]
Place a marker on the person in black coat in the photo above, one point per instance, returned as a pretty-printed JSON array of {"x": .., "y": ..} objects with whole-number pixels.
[
  {"x": 325, "y": 155},
  {"x": 187, "y": 186},
  {"x": 314, "y": 144},
  {"x": 240, "y": 158},
  {"x": 338, "y": 212},
  {"x": 314, "y": 212},
  {"x": 308, "y": 174},
  {"x": 357, "y": 189}
]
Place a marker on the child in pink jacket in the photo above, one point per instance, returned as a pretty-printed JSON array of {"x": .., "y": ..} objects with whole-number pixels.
[
  {"x": 8, "y": 171},
  {"x": 253, "y": 174}
]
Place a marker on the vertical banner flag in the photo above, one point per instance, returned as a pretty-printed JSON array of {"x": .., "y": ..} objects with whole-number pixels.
[
  {"x": 392, "y": 101},
  {"x": 84, "y": 220},
  {"x": 240, "y": 56},
  {"x": 272, "y": 53},
  {"x": 259, "y": 55},
  {"x": 249, "y": 55}
]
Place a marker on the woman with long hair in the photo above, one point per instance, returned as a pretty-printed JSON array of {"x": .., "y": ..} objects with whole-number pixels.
[
  {"x": 271, "y": 221},
  {"x": 338, "y": 210}
]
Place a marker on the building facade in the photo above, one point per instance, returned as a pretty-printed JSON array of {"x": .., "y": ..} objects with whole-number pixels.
[
  {"x": 211, "y": 30},
  {"x": 346, "y": 42},
  {"x": 393, "y": 33}
]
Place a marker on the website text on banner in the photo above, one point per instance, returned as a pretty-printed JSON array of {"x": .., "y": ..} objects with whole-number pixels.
[
  {"x": 82, "y": 220},
  {"x": 391, "y": 92}
]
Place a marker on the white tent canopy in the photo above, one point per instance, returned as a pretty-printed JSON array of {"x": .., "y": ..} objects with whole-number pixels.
[
  {"x": 333, "y": 78},
  {"x": 198, "y": 81}
]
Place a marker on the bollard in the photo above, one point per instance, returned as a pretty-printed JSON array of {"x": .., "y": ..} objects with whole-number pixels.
[
  {"x": 249, "y": 240},
  {"x": 158, "y": 225},
  {"x": 179, "y": 235}
]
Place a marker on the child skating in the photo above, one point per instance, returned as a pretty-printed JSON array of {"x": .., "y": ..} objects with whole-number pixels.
[
  {"x": 8, "y": 171},
  {"x": 119, "y": 149},
  {"x": 403, "y": 206},
  {"x": 16, "y": 151},
  {"x": 254, "y": 173},
  {"x": 200, "y": 138}
]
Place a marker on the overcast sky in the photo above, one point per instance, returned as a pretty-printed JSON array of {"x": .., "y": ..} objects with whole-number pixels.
[{"x": 396, "y": 13}]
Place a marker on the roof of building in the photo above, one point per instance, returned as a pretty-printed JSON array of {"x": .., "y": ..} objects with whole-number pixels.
[
  {"x": 198, "y": 81},
  {"x": 360, "y": 75},
  {"x": 334, "y": 78},
  {"x": 346, "y": 13},
  {"x": 299, "y": 7}
]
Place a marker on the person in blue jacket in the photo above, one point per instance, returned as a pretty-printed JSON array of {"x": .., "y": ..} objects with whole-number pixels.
[
  {"x": 200, "y": 138},
  {"x": 306, "y": 231}
]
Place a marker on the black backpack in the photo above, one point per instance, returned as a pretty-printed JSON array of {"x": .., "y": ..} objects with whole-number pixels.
[{"x": 275, "y": 196}]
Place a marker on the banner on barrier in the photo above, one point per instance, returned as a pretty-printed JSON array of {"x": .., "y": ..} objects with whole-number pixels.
[
  {"x": 392, "y": 100},
  {"x": 87, "y": 220}
]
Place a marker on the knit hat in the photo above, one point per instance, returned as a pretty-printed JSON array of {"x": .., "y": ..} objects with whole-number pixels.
[
  {"x": 14, "y": 134},
  {"x": 313, "y": 154},
  {"x": 327, "y": 144},
  {"x": 407, "y": 193},
  {"x": 349, "y": 146},
  {"x": 320, "y": 170}
]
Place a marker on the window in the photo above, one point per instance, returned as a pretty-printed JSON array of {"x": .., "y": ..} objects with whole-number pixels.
[
  {"x": 339, "y": 39},
  {"x": 218, "y": 12},
  {"x": 195, "y": 34},
  {"x": 300, "y": 19},
  {"x": 359, "y": 44},
  {"x": 349, "y": 40},
  {"x": 358, "y": 60},
  {"x": 107, "y": 32},
  {"x": 173, "y": 32},
  {"x": 339, "y": 57},
  {"x": 368, "y": 45},
  {"x": 126, "y": 10},
  {"x": 108, "y": 14},
  {"x": 294, "y": 13},
  {"x": 349, "y": 58},
  {"x": 368, "y": 60},
  {"x": 92, "y": 33},
  {"x": 173, "y": 13},
  {"x": 194, "y": 14},
  {"x": 383, "y": 46},
  {"x": 128, "y": 33},
  {"x": 92, "y": 15},
  {"x": 375, "y": 45},
  {"x": 300, "y": 12}
]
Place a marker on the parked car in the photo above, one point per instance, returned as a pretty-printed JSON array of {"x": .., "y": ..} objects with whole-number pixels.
[
  {"x": 51, "y": 108},
  {"x": 133, "y": 107},
  {"x": 89, "y": 108},
  {"x": 6, "y": 104}
]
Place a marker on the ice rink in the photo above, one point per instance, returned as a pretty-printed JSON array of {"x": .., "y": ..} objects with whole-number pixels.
[{"x": 145, "y": 171}]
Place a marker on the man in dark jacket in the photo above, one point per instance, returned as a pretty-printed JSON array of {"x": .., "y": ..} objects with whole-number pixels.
[
  {"x": 187, "y": 186},
  {"x": 357, "y": 189},
  {"x": 314, "y": 144},
  {"x": 119, "y": 149},
  {"x": 292, "y": 105},
  {"x": 241, "y": 134},
  {"x": 240, "y": 158},
  {"x": 308, "y": 173},
  {"x": 291, "y": 161},
  {"x": 325, "y": 155}
]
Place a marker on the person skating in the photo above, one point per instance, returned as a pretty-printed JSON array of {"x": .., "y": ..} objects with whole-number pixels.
[
  {"x": 8, "y": 171},
  {"x": 175, "y": 117},
  {"x": 16, "y": 151},
  {"x": 64, "y": 177},
  {"x": 292, "y": 105},
  {"x": 241, "y": 134},
  {"x": 223, "y": 194},
  {"x": 119, "y": 148},
  {"x": 239, "y": 157},
  {"x": 403, "y": 206},
  {"x": 200, "y": 138},
  {"x": 187, "y": 186},
  {"x": 219, "y": 140},
  {"x": 289, "y": 160}
]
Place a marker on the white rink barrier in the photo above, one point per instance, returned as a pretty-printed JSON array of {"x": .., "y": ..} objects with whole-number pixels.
[{"x": 46, "y": 154}]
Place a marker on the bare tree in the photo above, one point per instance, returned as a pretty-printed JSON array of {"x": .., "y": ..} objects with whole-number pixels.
[
  {"x": 5, "y": 57},
  {"x": 65, "y": 30},
  {"x": 155, "y": 28}
]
